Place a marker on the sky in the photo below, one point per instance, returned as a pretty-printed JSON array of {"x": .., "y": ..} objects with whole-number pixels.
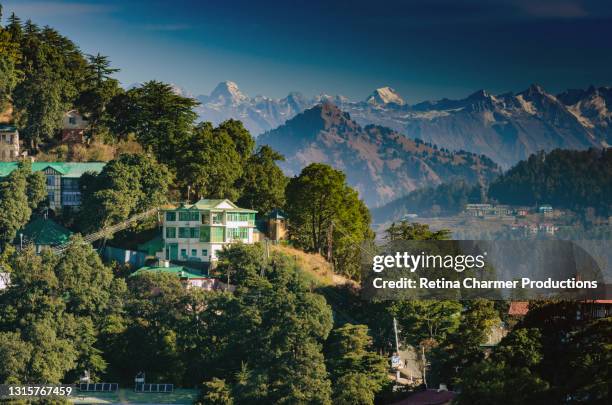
[{"x": 424, "y": 49}]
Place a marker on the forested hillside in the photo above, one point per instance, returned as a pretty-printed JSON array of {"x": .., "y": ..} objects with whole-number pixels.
[
  {"x": 564, "y": 178},
  {"x": 44, "y": 74},
  {"x": 443, "y": 200},
  {"x": 381, "y": 163},
  {"x": 267, "y": 331}
]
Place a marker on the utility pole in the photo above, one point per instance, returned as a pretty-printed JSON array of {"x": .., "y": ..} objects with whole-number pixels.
[
  {"x": 424, "y": 365},
  {"x": 397, "y": 373},
  {"x": 396, "y": 336}
]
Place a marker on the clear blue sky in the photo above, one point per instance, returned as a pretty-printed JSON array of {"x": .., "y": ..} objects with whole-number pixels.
[{"x": 425, "y": 49}]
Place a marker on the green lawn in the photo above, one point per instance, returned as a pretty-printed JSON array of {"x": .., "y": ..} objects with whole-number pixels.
[{"x": 128, "y": 396}]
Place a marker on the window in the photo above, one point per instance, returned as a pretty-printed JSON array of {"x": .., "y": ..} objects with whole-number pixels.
[
  {"x": 217, "y": 234},
  {"x": 184, "y": 232},
  {"x": 171, "y": 216},
  {"x": 204, "y": 252},
  {"x": 189, "y": 216},
  {"x": 217, "y": 217},
  {"x": 237, "y": 233},
  {"x": 71, "y": 198},
  {"x": 70, "y": 184},
  {"x": 205, "y": 234},
  {"x": 194, "y": 252},
  {"x": 183, "y": 252},
  {"x": 50, "y": 181},
  {"x": 171, "y": 232},
  {"x": 205, "y": 217},
  {"x": 72, "y": 120},
  {"x": 240, "y": 217}
]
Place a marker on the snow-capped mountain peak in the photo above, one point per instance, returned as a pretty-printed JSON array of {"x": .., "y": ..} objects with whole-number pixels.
[
  {"x": 385, "y": 95},
  {"x": 227, "y": 93},
  {"x": 505, "y": 127}
]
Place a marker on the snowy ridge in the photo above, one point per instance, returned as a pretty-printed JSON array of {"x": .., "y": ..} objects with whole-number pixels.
[{"x": 506, "y": 127}]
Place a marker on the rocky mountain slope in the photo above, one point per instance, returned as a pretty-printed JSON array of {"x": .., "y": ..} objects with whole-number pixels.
[
  {"x": 381, "y": 163},
  {"x": 507, "y": 127}
]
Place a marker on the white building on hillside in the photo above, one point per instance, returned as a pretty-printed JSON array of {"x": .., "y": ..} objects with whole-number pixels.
[{"x": 196, "y": 232}]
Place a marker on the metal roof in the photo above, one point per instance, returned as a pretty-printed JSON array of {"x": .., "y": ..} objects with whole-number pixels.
[
  {"x": 7, "y": 128},
  {"x": 66, "y": 169},
  {"x": 45, "y": 232},
  {"x": 277, "y": 214},
  {"x": 213, "y": 204},
  {"x": 180, "y": 271}
]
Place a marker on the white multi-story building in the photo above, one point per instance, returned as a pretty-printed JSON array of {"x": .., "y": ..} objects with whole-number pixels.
[{"x": 196, "y": 232}]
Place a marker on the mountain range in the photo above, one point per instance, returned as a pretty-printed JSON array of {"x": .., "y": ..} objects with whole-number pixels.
[
  {"x": 379, "y": 162},
  {"x": 507, "y": 127}
]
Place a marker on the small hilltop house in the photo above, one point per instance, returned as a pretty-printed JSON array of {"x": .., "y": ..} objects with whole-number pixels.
[
  {"x": 74, "y": 125},
  {"x": 276, "y": 225},
  {"x": 9, "y": 143},
  {"x": 43, "y": 233},
  {"x": 190, "y": 278}
]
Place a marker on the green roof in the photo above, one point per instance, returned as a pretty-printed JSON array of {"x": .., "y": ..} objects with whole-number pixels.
[
  {"x": 205, "y": 203},
  {"x": 277, "y": 214},
  {"x": 7, "y": 128},
  {"x": 46, "y": 232},
  {"x": 211, "y": 204},
  {"x": 180, "y": 271},
  {"x": 66, "y": 169}
]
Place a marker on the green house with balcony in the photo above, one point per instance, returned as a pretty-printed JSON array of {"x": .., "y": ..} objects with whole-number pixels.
[{"x": 196, "y": 232}]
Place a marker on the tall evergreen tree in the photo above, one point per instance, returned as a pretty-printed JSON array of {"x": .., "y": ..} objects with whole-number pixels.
[
  {"x": 99, "y": 89},
  {"x": 263, "y": 183},
  {"x": 318, "y": 199}
]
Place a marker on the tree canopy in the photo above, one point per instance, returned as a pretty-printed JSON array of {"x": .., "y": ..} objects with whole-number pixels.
[
  {"x": 564, "y": 178},
  {"x": 319, "y": 200},
  {"x": 20, "y": 193},
  {"x": 126, "y": 186}
]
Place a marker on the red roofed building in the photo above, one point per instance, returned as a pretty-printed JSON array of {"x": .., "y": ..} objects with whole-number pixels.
[
  {"x": 518, "y": 308},
  {"x": 74, "y": 127},
  {"x": 589, "y": 309}
]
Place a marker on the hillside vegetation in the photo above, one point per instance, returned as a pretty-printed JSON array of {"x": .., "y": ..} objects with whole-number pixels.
[
  {"x": 569, "y": 179},
  {"x": 314, "y": 266},
  {"x": 380, "y": 163}
]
